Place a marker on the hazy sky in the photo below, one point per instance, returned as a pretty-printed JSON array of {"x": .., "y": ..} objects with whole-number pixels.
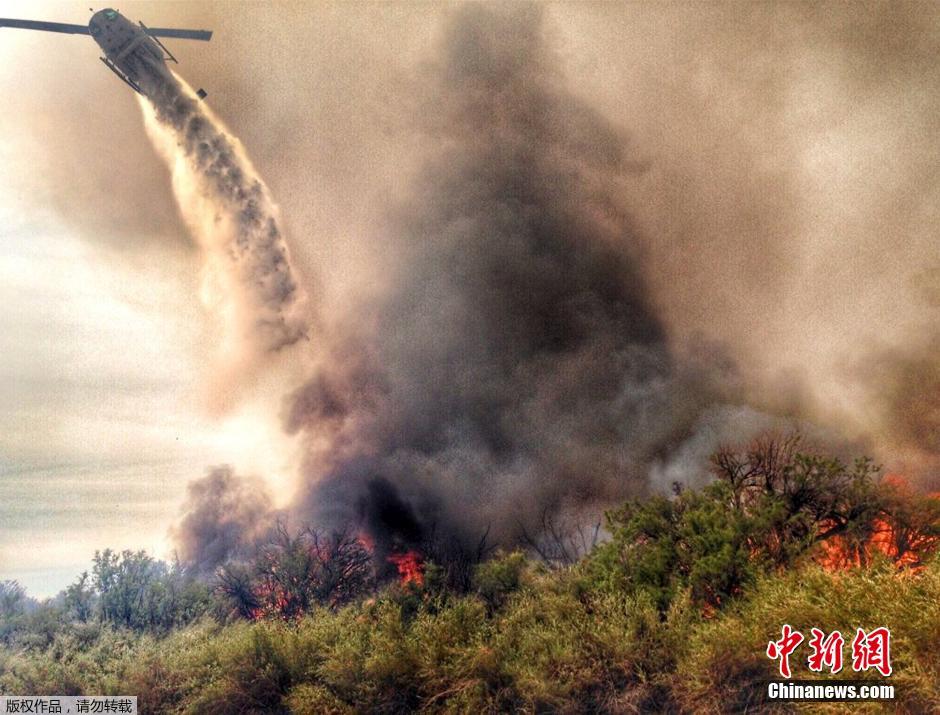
[
  {"x": 101, "y": 425},
  {"x": 101, "y": 334},
  {"x": 786, "y": 191}
]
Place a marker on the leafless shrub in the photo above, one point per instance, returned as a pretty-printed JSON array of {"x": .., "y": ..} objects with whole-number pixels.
[
  {"x": 559, "y": 543},
  {"x": 456, "y": 559},
  {"x": 291, "y": 574}
]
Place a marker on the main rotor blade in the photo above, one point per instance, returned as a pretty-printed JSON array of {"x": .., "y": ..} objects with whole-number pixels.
[
  {"x": 180, "y": 34},
  {"x": 46, "y": 26}
]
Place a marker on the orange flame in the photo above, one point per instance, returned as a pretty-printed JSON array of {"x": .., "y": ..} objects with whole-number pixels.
[
  {"x": 274, "y": 603},
  {"x": 837, "y": 553},
  {"x": 410, "y": 567}
]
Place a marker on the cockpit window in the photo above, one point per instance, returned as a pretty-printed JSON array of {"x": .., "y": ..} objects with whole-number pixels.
[{"x": 110, "y": 14}]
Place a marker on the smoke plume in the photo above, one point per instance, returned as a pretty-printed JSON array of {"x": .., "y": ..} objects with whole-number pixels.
[
  {"x": 565, "y": 319},
  {"x": 224, "y": 515},
  {"x": 248, "y": 277},
  {"x": 516, "y": 365}
]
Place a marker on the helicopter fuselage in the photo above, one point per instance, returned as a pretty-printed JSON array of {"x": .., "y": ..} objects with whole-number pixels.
[
  {"x": 127, "y": 47},
  {"x": 133, "y": 52}
]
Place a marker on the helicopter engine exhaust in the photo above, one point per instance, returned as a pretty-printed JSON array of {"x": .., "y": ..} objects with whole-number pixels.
[{"x": 248, "y": 279}]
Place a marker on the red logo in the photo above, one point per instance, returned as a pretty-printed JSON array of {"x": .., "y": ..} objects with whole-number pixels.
[
  {"x": 869, "y": 650},
  {"x": 872, "y": 650},
  {"x": 826, "y": 651},
  {"x": 782, "y": 649}
]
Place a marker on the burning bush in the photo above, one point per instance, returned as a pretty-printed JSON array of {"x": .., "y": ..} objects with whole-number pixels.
[
  {"x": 912, "y": 524},
  {"x": 770, "y": 505},
  {"x": 905, "y": 531},
  {"x": 794, "y": 499},
  {"x": 291, "y": 574},
  {"x": 410, "y": 567}
]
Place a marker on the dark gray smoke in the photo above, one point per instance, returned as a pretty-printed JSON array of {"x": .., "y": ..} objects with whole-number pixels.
[
  {"x": 516, "y": 365},
  {"x": 532, "y": 350},
  {"x": 224, "y": 515}
]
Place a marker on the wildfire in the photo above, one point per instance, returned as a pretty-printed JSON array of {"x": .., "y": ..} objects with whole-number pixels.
[
  {"x": 409, "y": 563},
  {"x": 410, "y": 567},
  {"x": 902, "y": 545},
  {"x": 273, "y": 602},
  {"x": 838, "y": 554}
]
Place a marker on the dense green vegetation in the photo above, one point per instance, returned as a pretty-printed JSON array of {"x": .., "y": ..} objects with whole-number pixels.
[{"x": 672, "y": 613}]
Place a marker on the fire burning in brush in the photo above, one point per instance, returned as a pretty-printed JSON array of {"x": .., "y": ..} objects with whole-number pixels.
[
  {"x": 839, "y": 553},
  {"x": 515, "y": 354},
  {"x": 410, "y": 567},
  {"x": 905, "y": 534},
  {"x": 274, "y": 602},
  {"x": 294, "y": 572},
  {"x": 408, "y": 563}
]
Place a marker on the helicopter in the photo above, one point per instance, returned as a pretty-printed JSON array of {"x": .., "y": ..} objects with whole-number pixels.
[{"x": 129, "y": 49}]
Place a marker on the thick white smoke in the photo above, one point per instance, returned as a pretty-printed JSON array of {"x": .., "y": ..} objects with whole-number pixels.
[{"x": 248, "y": 280}]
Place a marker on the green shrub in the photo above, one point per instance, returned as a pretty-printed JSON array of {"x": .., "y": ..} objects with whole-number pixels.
[
  {"x": 662, "y": 546},
  {"x": 497, "y": 579},
  {"x": 306, "y": 699},
  {"x": 725, "y": 660},
  {"x": 673, "y": 614}
]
